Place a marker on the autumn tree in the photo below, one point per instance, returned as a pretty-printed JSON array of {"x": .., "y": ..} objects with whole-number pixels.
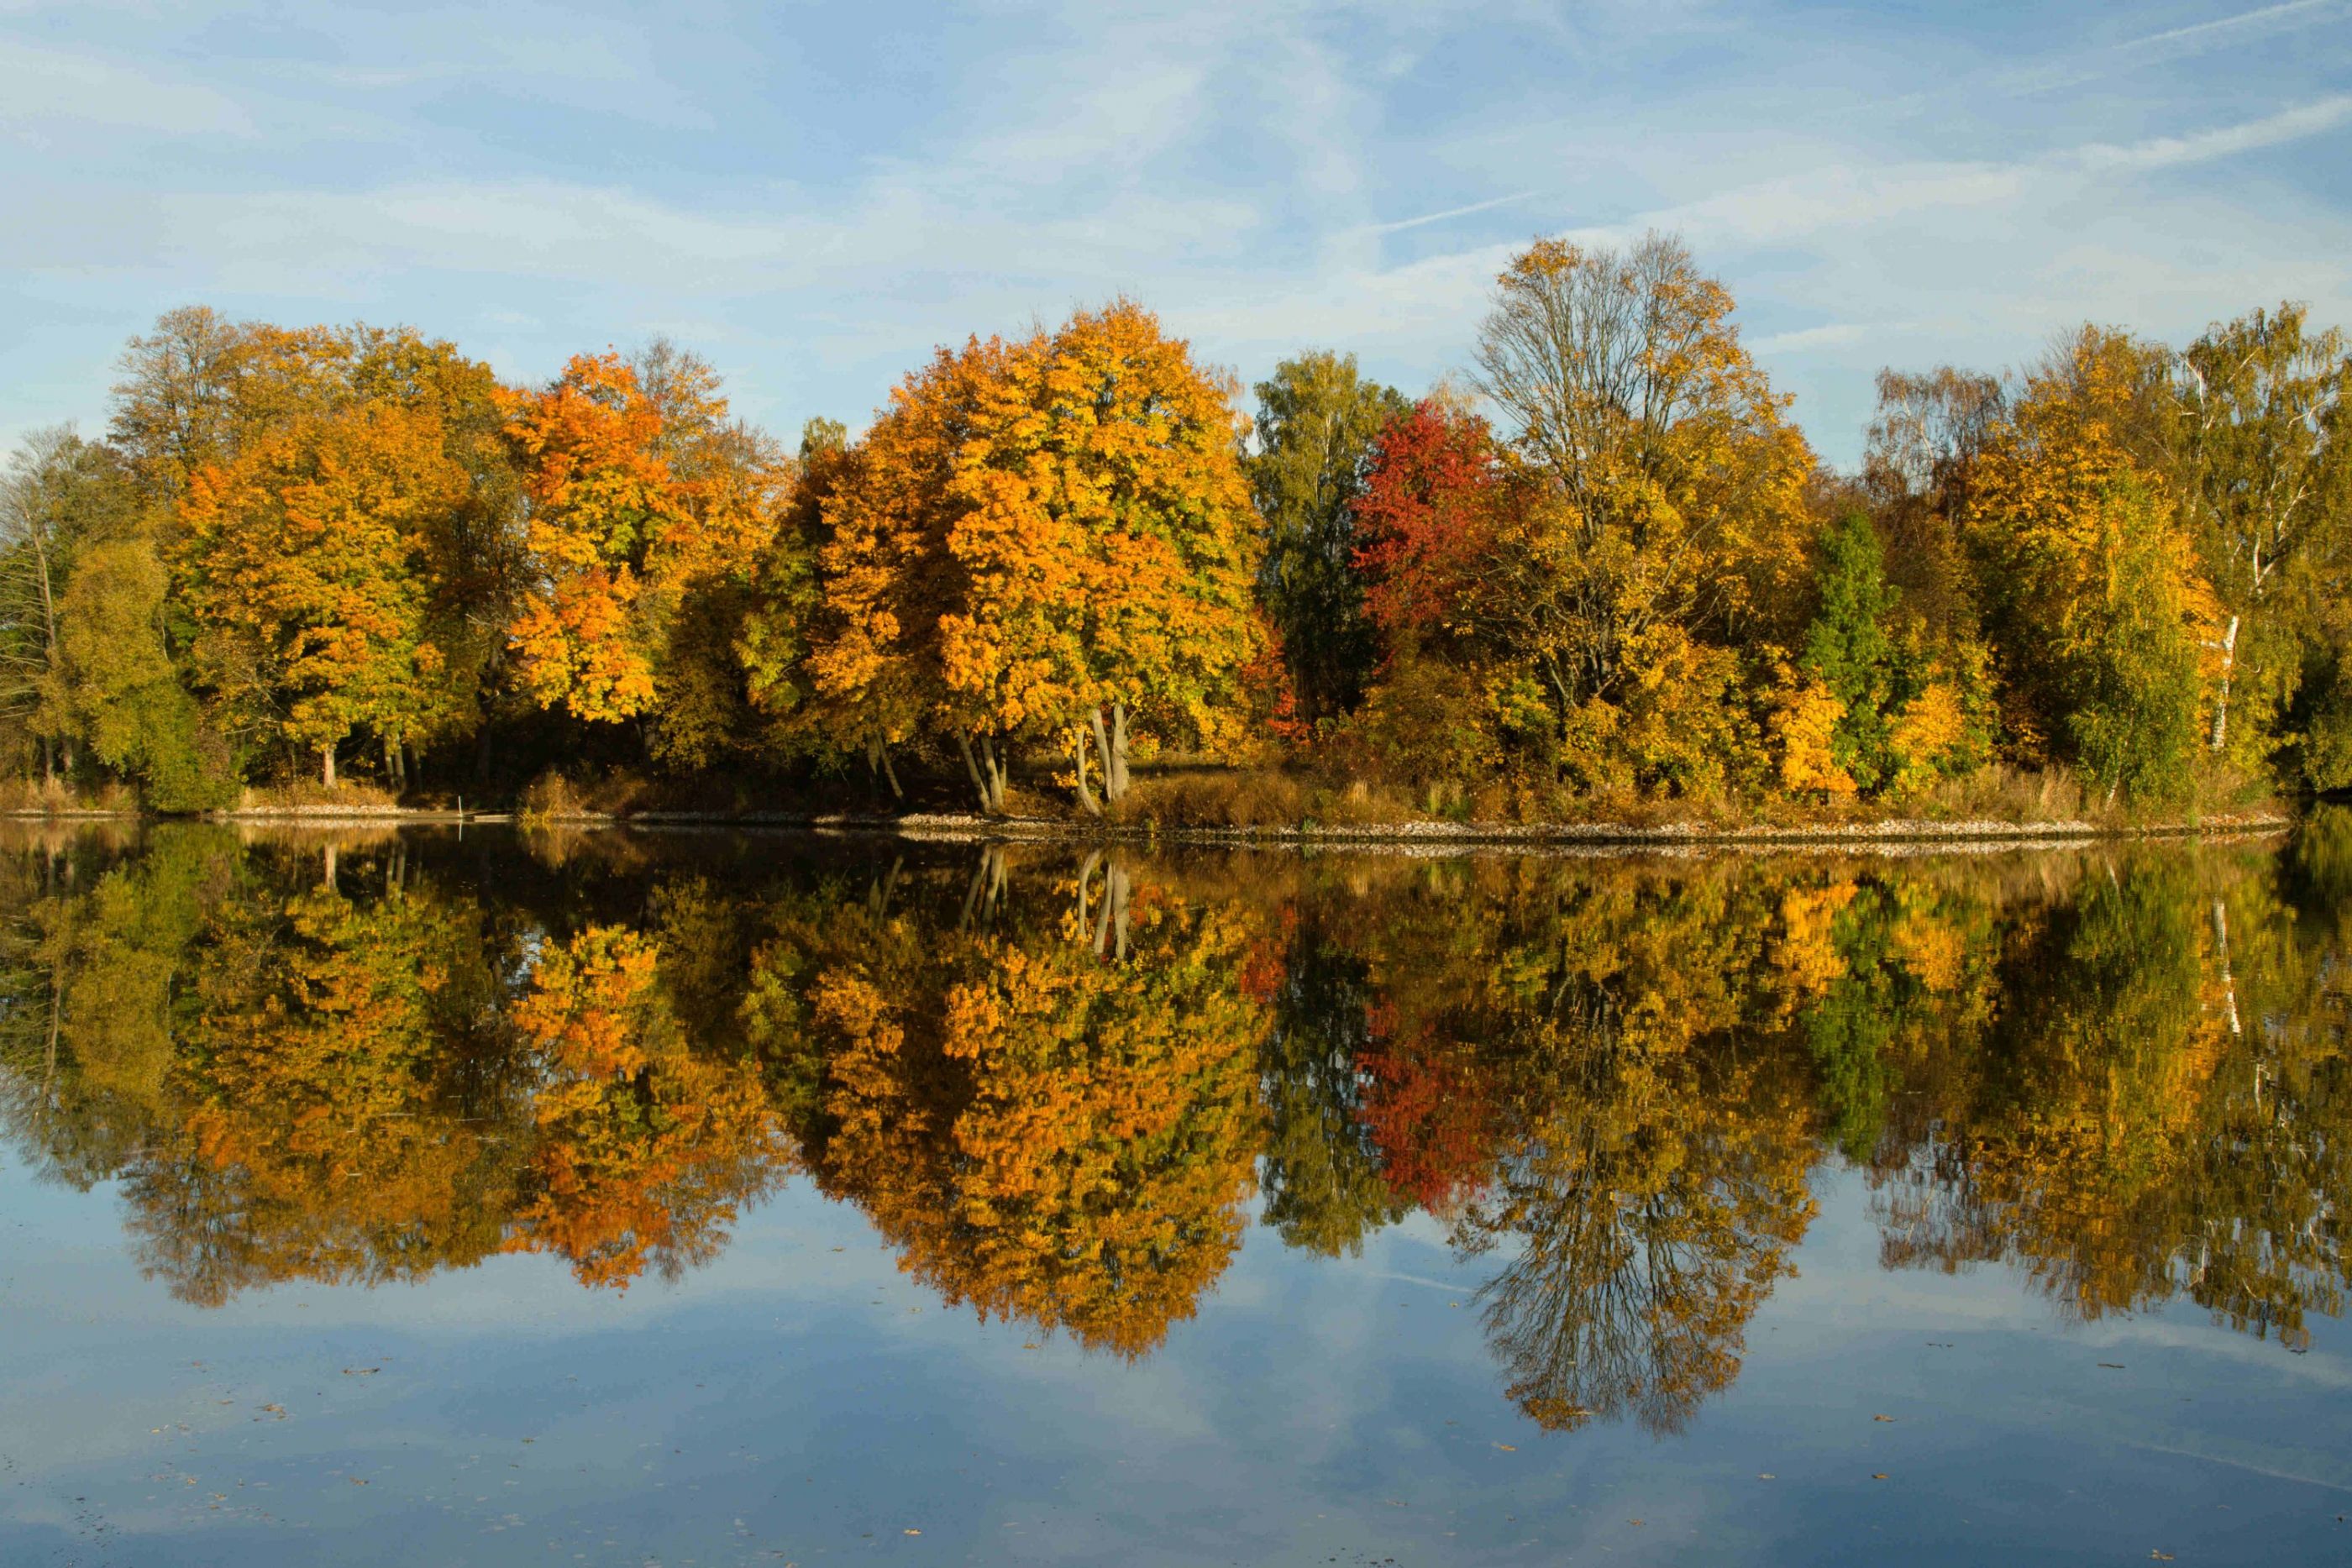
[
  {"x": 300, "y": 563},
  {"x": 2264, "y": 466},
  {"x": 642, "y": 498},
  {"x": 1037, "y": 539},
  {"x": 1644, "y": 516},
  {"x": 2094, "y": 594}
]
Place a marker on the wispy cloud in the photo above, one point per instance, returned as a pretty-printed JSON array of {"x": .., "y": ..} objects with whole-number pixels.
[
  {"x": 1448, "y": 215},
  {"x": 42, "y": 88},
  {"x": 821, "y": 198},
  {"x": 2294, "y": 125}
]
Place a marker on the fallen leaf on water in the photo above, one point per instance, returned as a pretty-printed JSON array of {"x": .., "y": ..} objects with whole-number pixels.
[
  {"x": 2160, "y": 1556},
  {"x": 2112, "y": 1365},
  {"x": 1506, "y": 1448},
  {"x": 911, "y": 1533},
  {"x": 1879, "y": 1477},
  {"x": 1633, "y": 1521},
  {"x": 1765, "y": 1476},
  {"x": 1881, "y": 1417}
]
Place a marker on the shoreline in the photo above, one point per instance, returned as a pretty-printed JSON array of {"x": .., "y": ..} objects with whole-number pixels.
[{"x": 964, "y": 828}]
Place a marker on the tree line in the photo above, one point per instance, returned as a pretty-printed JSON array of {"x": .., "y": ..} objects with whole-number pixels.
[{"x": 1605, "y": 569}]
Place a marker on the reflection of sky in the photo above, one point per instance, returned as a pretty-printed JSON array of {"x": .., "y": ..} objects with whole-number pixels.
[{"x": 792, "y": 1402}]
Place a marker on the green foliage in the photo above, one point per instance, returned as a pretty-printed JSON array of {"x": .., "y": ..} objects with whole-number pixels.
[
  {"x": 1848, "y": 647},
  {"x": 1317, "y": 422},
  {"x": 139, "y": 717},
  {"x": 2135, "y": 677}
]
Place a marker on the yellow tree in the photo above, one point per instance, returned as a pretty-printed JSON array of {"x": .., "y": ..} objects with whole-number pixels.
[
  {"x": 1654, "y": 515},
  {"x": 1038, "y": 537},
  {"x": 300, "y": 562},
  {"x": 2097, "y": 603}
]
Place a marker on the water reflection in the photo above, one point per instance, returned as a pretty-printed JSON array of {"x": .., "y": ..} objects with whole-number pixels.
[{"x": 1057, "y": 1085}]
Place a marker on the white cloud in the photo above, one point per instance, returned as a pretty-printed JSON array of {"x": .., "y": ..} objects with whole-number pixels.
[{"x": 42, "y": 88}]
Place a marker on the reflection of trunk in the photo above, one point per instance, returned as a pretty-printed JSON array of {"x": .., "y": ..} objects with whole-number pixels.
[
  {"x": 880, "y": 897},
  {"x": 1111, "y": 919},
  {"x": 1086, "y": 882},
  {"x": 2222, "y": 948},
  {"x": 1078, "y": 758},
  {"x": 2221, "y": 704},
  {"x": 986, "y": 889},
  {"x": 57, "y": 1011},
  {"x": 329, "y": 882}
]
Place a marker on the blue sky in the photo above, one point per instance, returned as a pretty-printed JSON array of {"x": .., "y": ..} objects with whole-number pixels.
[{"x": 813, "y": 196}]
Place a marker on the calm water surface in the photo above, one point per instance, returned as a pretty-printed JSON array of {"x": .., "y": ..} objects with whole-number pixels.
[{"x": 756, "y": 1200}]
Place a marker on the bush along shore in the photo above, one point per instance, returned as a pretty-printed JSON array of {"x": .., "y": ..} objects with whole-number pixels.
[
  {"x": 1076, "y": 581},
  {"x": 1224, "y": 808}
]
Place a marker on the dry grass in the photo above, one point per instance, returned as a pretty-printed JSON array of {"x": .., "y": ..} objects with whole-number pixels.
[
  {"x": 55, "y": 797},
  {"x": 309, "y": 795}
]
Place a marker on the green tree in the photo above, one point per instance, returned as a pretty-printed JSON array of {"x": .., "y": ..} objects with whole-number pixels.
[
  {"x": 1848, "y": 647},
  {"x": 1318, "y": 423},
  {"x": 60, "y": 495}
]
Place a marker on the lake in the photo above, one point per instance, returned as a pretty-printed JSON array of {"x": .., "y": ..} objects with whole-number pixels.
[{"x": 700, "y": 1199}]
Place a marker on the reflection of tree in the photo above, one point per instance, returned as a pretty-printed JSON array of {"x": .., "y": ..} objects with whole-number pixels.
[
  {"x": 2158, "y": 1109},
  {"x": 1571, "y": 1064},
  {"x": 1324, "y": 1185},
  {"x": 1654, "y": 1209},
  {"x": 306, "y": 1138},
  {"x": 90, "y": 951},
  {"x": 2127, "y": 1074},
  {"x": 1048, "y": 1132},
  {"x": 326, "y": 1067},
  {"x": 644, "y": 1150}
]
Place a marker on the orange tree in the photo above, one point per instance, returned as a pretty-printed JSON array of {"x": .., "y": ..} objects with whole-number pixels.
[
  {"x": 1048, "y": 1132},
  {"x": 637, "y": 499},
  {"x": 1037, "y": 538},
  {"x": 645, "y": 1149}
]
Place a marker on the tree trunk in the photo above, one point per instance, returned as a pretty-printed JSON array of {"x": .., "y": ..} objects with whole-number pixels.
[
  {"x": 1114, "y": 781},
  {"x": 1078, "y": 757},
  {"x": 2222, "y": 703},
  {"x": 326, "y": 765},
  {"x": 973, "y": 766},
  {"x": 994, "y": 765},
  {"x": 891, "y": 776}
]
